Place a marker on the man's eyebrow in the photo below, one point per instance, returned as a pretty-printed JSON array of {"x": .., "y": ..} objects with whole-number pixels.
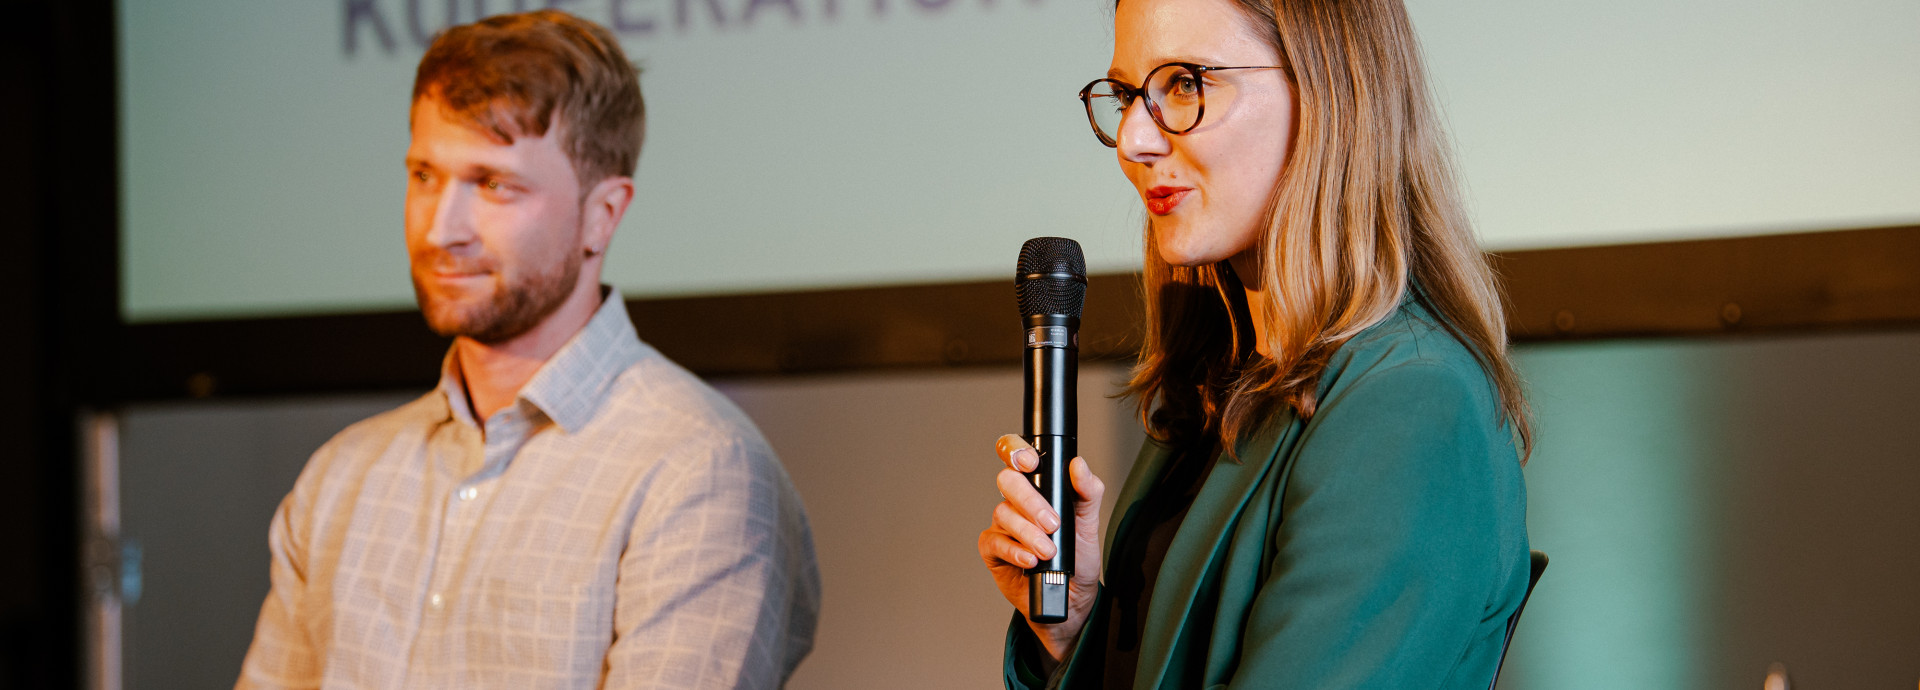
[
  {"x": 483, "y": 171},
  {"x": 471, "y": 171}
]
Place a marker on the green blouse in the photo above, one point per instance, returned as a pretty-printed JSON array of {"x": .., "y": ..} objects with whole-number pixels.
[{"x": 1380, "y": 544}]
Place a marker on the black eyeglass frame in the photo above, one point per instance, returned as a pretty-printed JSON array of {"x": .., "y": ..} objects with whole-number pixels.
[{"x": 1133, "y": 93}]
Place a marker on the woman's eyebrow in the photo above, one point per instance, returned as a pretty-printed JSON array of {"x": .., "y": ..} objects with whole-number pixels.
[
  {"x": 1196, "y": 60},
  {"x": 1115, "y": 73}
]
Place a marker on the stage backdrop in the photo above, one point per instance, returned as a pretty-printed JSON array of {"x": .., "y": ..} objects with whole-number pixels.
[
  {"x": 812, "y": 143},
  {"x": 1710, "y": 507}
]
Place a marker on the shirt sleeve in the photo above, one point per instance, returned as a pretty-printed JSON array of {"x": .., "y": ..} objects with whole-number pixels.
[
  {"x": 1392, "y": 553},
  {"x": 282, "y": 655},
  {"x": 718, "y": 587}
]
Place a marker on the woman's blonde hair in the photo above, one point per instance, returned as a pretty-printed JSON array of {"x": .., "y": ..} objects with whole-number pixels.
[{"x": 1365, "y": 212}]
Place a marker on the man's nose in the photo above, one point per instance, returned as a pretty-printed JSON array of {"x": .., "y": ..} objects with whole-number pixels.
[{"x": 452, "y": 217}]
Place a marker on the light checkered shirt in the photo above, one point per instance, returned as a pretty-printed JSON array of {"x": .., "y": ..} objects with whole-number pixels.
[{"x": 621, "y": 525}]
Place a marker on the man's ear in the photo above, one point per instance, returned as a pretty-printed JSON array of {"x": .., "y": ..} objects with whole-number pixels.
[{"x": 605, "y": 205}]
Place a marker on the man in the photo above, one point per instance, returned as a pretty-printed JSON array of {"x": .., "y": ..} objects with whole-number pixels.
[{"x": 568, "y": 508}]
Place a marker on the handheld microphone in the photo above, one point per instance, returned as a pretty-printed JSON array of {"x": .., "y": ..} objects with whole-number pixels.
[{"x": 1051, "y": 282}]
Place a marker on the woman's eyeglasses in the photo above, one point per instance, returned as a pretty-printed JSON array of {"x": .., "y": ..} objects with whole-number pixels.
[{"x": 1175, "y": 99}]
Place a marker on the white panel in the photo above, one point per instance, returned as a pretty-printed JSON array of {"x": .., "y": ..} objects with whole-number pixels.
[
  {"x": 1634, "y": 120},
  {"x": 847, "y": 142},
  {"x": 889, "y": 142}
]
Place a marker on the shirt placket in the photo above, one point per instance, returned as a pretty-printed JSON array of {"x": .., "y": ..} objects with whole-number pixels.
[{"x": 460, "y": 517}]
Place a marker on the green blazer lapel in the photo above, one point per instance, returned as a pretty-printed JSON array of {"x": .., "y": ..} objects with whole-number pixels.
[
  {"x": 1146, "y": 470},
  {"x": 1192, "y": 554}
]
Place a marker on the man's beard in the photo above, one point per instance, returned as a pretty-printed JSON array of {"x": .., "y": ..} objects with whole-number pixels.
[{"x": 516, "y": 306}]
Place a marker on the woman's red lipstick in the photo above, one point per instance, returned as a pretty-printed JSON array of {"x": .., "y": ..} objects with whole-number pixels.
[{"x": 1162, "y": 200}]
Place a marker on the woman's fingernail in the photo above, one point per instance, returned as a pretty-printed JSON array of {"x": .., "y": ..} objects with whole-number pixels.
[
  {"x": 1026, "y": 458},
  {"x": 1050, "y": 521}
]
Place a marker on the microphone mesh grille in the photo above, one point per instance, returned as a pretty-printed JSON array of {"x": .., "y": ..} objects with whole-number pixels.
[{"x": 1051, "y": 295}]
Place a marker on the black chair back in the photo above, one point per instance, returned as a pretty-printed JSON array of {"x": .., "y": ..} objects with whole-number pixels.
[{"x": 1538, "y": 564}]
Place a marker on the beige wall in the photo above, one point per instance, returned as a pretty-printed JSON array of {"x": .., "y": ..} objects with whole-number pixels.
[
  {"x": 897, "y": 472},
  {"x": 1711, "y": 506}
]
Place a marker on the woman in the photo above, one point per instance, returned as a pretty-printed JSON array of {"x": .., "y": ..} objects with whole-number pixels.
[{"x": 1332, "y": 497}]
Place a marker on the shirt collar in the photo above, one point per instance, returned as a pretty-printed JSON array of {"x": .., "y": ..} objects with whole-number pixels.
[
  {"x": 453, "y": 391},
  {"x": 569, "y": 387}
]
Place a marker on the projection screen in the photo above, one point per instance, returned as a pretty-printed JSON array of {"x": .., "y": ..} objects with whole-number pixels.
[{"x": 799, "y": 144}]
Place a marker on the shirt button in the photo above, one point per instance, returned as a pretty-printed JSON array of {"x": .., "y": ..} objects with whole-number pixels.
[
  {"x": 436, "y": 601},
  {"x": 468, "y": 493}
]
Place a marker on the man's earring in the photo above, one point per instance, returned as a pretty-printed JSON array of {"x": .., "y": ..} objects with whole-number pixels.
[{"x": 593, "y": 252}]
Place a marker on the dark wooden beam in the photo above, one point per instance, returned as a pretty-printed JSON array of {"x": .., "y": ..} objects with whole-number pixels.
[
  {"x": 910, "y": 326},
  {"x": 1779, "y": 283},
  {"x": 1771, "y": 283},
  {"x": 873, "y": 328}
]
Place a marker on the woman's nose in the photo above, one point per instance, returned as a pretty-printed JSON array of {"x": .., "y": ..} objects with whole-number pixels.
[{"x": 1141, "y": 140}]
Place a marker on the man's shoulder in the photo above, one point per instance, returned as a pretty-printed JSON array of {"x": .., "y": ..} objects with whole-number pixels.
[
  {"x": 675, "y": 430},
  {"x": 659, "y": 398}
]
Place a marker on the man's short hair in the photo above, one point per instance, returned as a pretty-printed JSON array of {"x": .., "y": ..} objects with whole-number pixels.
[{"x": 508, "y": 74}]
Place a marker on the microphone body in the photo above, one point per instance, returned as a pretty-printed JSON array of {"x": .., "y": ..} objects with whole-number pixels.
[
  {"x": 1052, "y": 406},
  {"x": 1051, "y": 282}
]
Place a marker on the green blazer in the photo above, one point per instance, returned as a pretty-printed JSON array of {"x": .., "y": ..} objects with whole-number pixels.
[{"x": 1380, "y": 544}]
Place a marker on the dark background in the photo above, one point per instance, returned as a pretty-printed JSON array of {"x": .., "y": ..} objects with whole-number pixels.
[{"x": 59, "y": 273}]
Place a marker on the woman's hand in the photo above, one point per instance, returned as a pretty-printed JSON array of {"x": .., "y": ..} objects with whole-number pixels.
[{"x": 1017, "y": 540}]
